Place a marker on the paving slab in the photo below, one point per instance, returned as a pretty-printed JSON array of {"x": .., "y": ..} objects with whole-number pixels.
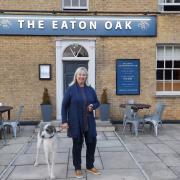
[
  {"x": 15, "y": 148},
  {"x": 6, "y": 159},
  {"x": 117, "y": 160},
  {"x": 39, "y": 172},
  {"x": 118, "y": 174},
  {"x": 2, "y": 168},
  {"x": 158, "y": 171},
  {"x": 29, "y": 159},
  {"x": 110, "y": 143},
  {"x": 160, "y": 148},
  {"x": 145, "y": 156},
  {"x": 176, "y": 170},
  {"x": 170, "y": 159}
]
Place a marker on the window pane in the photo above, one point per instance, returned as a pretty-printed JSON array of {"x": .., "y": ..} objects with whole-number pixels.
[
  {"x": 168, "y": 53},
  {"x": 68, "y": 52},
  {"x": 168, "y": 64},
  {"x": 160, "y": 53},
  {"x": 83, "y": 3},
  {"x": 177, "y": 52},
  {"x": 67, "y": 2},
  {"x": 176, "y": 75},
  {"x": 176, "y": 86},
  {"x": 83, "y": 53},
  {"x": 159, "y": 86},
  {"x": 159, "y": 75},
  {"x": 160, "y": 64},
  {"x": 176, "y": 64},
  {"x": 177, "y": 1},
  {"x": 168, "y": 75},
  {"x": 75, "y": 3},
  {"x": 168, "y": 86}
]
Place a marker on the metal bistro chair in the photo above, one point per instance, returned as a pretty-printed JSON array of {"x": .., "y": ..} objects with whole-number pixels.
[
  {"x": 3, "y": 132},
  {"x": 16, "y": 122},
  {"x": 130, "y": 118},
  {"x": 155, "y": 119}
]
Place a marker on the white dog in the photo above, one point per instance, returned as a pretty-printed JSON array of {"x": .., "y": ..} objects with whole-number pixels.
[{"x": 47, "y": 137}]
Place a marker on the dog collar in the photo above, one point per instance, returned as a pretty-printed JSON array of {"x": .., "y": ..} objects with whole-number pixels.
[{"x": 51, "y": 136}]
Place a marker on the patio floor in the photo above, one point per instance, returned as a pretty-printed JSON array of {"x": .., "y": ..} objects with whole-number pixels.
[{"x": 117, "y": 157}]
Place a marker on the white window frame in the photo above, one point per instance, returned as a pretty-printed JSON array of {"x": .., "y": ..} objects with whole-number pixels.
[
  {"x": 162, "y": 3},
  {"x": 75, "y": 7},
  {"x": 168, "y": 93}
]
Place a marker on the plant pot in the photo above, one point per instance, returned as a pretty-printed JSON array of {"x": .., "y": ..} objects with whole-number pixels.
[
  {"x": 46, "y": 111},
  {"x": 104, "y": 112}
]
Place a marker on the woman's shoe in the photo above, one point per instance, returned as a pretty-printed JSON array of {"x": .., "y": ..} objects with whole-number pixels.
[
  {"x": 78, "y": 174},
  {"x": 94, "y": 171}
]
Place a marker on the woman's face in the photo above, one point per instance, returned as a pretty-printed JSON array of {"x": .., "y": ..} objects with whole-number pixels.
[{"x": 81, "y": 77}]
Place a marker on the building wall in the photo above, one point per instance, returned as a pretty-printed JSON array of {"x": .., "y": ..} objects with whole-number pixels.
[
  {"x": 19, "y": 75},
  {"x": 94, "y": 5},
  {"x": 21, "y": 55}
]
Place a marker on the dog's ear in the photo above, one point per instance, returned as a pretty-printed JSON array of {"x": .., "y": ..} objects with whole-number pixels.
[{"x": 41, "y": 129}]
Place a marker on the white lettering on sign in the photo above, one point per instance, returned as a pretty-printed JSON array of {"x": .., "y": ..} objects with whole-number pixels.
[
  {"x": 41, "y": 24},
  {"x": 31, "y": 24},
  {"x": 54, "y": 24},
  {"x": 118, "y": 25},
  {"x": 92, "y": 25},
  {"x": 73, "y": 24},
  {"x": 82, "y": 25},
  {"x": 64, "y": 25},
  {"x": 20, "y": 23},
  {"x": 108, "y": 24},
  {"x": 127, "y": 26}
]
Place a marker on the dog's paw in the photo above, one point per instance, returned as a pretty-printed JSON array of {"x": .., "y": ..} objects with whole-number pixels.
[
  {"x": 36, "y": 164},
  {"x": 52, "y": 177}
]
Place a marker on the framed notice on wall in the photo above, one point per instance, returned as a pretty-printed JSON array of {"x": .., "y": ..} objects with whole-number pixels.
[
  {"x": 127, "y": 77},
  {"x": 44, "y": 71}
]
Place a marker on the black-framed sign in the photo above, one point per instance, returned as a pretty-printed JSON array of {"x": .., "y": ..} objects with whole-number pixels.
[
  {"x": 44, "y": 71},
  {"x": 127, "y": 77}
]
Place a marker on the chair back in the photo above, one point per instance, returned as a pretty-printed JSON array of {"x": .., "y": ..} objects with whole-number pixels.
[
  {"x": 18, "y": 114},
  {"x": 128, "y": 114},
  {"x": 159, "y": 110}
]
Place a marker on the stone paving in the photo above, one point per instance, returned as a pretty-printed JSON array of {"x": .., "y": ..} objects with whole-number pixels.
[{"x": 118, "y": 157}]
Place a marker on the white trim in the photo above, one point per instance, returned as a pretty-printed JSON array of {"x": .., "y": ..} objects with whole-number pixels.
[
  {"x": 168, "y": 93},
  {"x": 163, "y": 92},
  {"x": 162, "y": 4},
  {"x": 61, "y": 45}
]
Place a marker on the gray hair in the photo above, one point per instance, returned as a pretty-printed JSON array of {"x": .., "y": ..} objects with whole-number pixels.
[{"x": 78, "y": 70}]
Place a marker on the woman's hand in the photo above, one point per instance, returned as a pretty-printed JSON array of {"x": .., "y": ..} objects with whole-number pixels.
[
  {"x": 90, "y": 108},
  {"x": 64, "y": 126}
]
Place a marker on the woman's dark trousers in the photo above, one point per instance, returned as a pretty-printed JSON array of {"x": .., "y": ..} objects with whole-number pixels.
[{"x": 90, "y": 151}]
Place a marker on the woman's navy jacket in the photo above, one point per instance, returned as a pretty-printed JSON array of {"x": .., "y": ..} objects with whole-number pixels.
[{"x": 73, "y": 110}]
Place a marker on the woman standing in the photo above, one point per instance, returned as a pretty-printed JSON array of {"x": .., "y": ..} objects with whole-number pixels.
[{"x": 77, "y": 116}]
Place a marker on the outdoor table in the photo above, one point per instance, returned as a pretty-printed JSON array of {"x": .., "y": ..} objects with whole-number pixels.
[
  {"x": 4, "y": 109},
  {"x": 136, "y": 106}
]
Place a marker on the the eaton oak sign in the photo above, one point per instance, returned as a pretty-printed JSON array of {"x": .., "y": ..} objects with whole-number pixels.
[{"x": 78, "y": 25}]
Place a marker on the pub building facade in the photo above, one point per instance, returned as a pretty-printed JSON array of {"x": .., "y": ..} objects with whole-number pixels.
[{"x": 132, "y": 48}]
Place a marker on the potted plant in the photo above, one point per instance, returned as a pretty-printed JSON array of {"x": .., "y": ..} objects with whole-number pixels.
[
  {"x": 46, "y": 106},
  {"x": 104, "y": 107}
]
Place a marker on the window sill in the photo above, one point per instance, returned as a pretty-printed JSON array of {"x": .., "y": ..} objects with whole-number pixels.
[{"x": 166, "y": 94}]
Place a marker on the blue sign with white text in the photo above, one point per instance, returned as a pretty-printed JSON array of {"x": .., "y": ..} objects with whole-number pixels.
[
  {"x": 127, "y": 77},
  {"x": 78, "y": 25}
]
